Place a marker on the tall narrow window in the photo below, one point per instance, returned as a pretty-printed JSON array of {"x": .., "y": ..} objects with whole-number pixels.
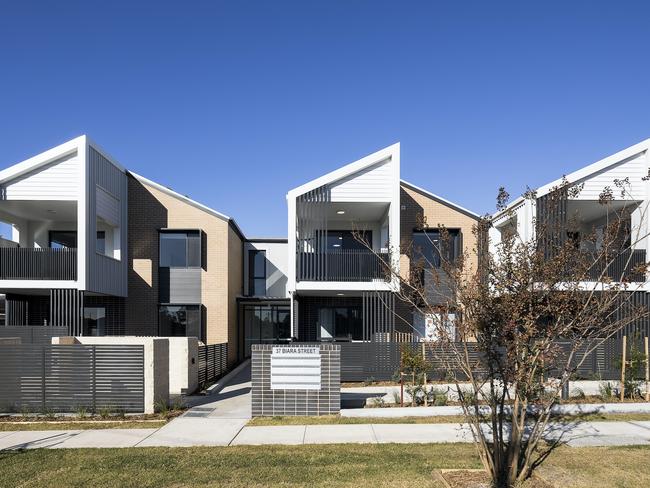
[
  {"x": 257, "y": 273},
  {"x": 101, "y": 242},
  {"x": 180, "y": 249}
]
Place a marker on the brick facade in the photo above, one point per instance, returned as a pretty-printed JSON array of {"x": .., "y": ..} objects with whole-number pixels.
[
  {"x": 151, "y": 209},
  {"x": 417, "y": 208}
]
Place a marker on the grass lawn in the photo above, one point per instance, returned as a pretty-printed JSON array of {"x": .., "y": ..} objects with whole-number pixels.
[
  {"x": 441, "y": 419},
  {"x": 82, "y": 425},
  {"x": 389, "y": 465}
]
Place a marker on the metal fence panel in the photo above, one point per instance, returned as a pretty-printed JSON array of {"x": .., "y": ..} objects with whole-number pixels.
[
  {"x": 213, "y": 362},
  {"x": 65, "y": 378},
  {"x": 33, "y": 334}
]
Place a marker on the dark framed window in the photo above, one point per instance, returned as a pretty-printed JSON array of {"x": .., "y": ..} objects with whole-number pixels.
[
  {"x": 257, "y": 273},
  {"x": 60, "y": 239},
  {"x": 347, "y": 239},
  {"x": 266, "y": 324},
  {"x": 430, "y": 245},
  {"x": 94, "y": 321},
  {"x": 101, "y": 242},
  {"x": 180, "y": 249},
  {"x": 340, "y": 323},
  {"x": 180, "y": 321}
]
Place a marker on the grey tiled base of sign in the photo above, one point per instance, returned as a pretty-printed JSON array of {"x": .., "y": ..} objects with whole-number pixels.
[{"x": 285, "y": 380}]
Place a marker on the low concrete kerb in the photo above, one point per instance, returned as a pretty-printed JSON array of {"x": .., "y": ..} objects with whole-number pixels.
[
  {"x": 219, "y": 385},
  {"x": 570, "y": 409}
]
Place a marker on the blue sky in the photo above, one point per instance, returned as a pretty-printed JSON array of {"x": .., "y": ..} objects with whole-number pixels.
[{"x": 234, "y": 103}]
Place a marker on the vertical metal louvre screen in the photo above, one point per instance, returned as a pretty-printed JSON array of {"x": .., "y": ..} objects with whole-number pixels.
[
  {"x": 213, "y": 362},
  {"x": 66, "y": 378}
]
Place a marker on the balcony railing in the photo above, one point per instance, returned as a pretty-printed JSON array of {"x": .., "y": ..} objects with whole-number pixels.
[
  {"x": 342, "y": 265},
  {"x": 621, "y": 265},
  {"x": 24, "y": 263}
]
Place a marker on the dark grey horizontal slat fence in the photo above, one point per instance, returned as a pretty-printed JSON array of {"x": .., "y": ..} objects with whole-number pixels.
[
  {"x": 33, "y": 334},
  {"x": 25, "y": 263},
  {"x": 213, "y": 362},
  {"x": 65, "y": 378},
  {"x": 380, "y": 361}
]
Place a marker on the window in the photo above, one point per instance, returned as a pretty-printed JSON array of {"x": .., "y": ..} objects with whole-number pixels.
[
  {"x": 60, "y": 239},
  {"x": 346, "y": 239},
  {"x": 94, "y": 321},
  {"x": 180, "y": 249},
  {"x": 428, "y": 245},
  {"x": 101, "y": 242},
  {"x": 257, "y": 273},
  {"x": 340, "y": 323},
  {"x": 432, "y": 327},
  {"x": 180, "y": 321},
  {"x": 266, "y": 324}
]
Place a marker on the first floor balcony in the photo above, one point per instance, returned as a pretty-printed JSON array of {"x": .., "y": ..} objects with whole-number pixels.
[
  {"x": 24, "y": 263},
  {"x": 360, "y": 265}
]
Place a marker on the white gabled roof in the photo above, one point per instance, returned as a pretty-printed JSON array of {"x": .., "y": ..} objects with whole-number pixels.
[
  {"x": 47, "y": 157},
  {"x": 585, "y": 172},
  {"x": 441, "y": 199},
  {"x": 348, "y": 169}
]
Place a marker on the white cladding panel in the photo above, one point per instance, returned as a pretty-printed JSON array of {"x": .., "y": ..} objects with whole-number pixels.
[
  {"x": 373, "y": 184},
  {"x": 633, "y": 168},
  {"x": 58, "y": 180}
]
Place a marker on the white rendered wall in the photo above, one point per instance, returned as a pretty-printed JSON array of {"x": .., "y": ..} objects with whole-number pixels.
[{"x": 277, "y": 268}]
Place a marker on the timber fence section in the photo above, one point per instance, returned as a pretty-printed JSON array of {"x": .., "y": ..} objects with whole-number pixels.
[{"x": 71, "y": 378}]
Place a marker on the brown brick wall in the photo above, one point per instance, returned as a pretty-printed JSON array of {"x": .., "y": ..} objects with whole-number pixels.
[
  {"x": 417, "y": 206},
  {"x": 150, "y": 210}
]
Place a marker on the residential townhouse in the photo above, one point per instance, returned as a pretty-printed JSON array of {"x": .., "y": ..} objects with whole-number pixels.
[
  {"x": 104, "y": 251},
  {"x": 582, "y": 216}
]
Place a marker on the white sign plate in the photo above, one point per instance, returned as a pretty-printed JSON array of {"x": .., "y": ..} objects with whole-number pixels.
[{"x": 295, "y": 368}]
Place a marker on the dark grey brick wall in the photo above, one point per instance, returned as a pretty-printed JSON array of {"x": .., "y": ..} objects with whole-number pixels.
[{"x": 268, "y": 402}]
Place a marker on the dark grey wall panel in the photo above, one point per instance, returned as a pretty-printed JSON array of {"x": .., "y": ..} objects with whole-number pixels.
[{"x": 105, "y": 274}]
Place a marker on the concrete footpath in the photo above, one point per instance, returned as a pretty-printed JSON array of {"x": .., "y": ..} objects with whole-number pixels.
[{"x": 207, "y": 432}]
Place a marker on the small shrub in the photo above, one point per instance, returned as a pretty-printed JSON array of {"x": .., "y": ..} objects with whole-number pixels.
[
  {"x": 377, "y": 402},
  {"x": 25, "y": 411},
  {"x": 163, "y": 409},
  {"x": 105, "y": 412},
  {"x": 440, "y": 401},
  {"x": 82, "y": 411},
  {"x": 369, "y": 381},
  {"x": 48, "y": 413},
  {"x": 606, "y": 391},
  {"x": 397, "y": 397},
  {"x": 578, "y": 393}
]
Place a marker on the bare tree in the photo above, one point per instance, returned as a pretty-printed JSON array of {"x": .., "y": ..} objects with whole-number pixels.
[{"x": 529, "y": 316}]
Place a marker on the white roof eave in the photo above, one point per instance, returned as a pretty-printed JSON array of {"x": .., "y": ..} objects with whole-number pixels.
[{"x": 348, "y": 169}]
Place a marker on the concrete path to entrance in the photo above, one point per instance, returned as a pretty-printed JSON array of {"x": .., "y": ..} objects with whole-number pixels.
[{"x": 213, "y": 420}]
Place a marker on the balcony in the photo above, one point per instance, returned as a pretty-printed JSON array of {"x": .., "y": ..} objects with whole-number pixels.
[
  {"x": 342, "y": 265},
  {"x": 623, "y": 265},
  {"x": 24, "y": 263}
]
